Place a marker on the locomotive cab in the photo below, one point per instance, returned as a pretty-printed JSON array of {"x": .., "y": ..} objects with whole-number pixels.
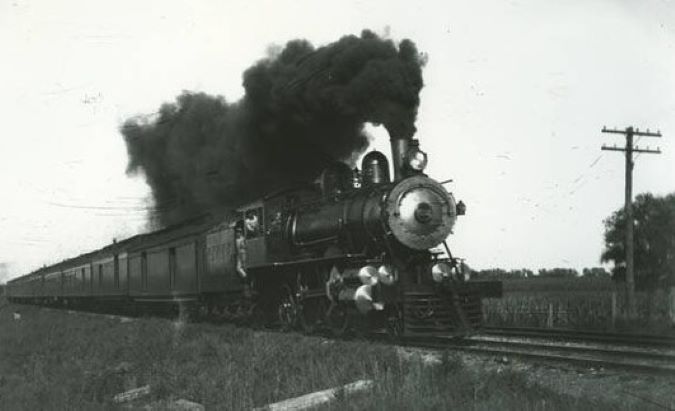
[{"x": 251, "y": 219}]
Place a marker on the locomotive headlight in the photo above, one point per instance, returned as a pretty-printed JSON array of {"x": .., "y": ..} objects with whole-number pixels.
[
  {"x": 417, "y": 160},
  {"x": 441, "y": 271},
  {"x": 387, "y": 274},
  {"x": 368, "y": 275}
]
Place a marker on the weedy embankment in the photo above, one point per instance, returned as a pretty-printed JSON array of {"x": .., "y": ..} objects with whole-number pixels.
[{"x": 50, "y": 359}]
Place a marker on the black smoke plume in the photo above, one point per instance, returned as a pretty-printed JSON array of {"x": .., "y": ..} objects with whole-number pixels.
[{"x": 302, "y": 109}]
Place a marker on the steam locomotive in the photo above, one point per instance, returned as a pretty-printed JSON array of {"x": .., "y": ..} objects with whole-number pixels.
[{"x": 354, "y": 250}]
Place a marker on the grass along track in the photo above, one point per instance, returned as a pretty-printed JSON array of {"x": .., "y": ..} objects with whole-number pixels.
[
  {"x": 509, "y": 342},
  {"x": 56, "y": 359}
]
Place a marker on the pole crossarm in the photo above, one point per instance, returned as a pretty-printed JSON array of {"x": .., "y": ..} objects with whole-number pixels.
[
  {"x": 647, "y": 133},
  {"x": 635, "y": 132},
  {"x": 646, "y": 150},
  {"x": 635, "y": 150},
  {"x": 613, "y": 130},
  {"x": 607, "y": 148}
]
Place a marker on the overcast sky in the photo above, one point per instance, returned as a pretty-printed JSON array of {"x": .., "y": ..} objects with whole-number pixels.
[{"x": 515, "y": 96}]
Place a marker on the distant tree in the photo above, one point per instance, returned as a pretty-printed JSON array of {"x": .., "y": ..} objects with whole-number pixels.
[
  {"x": 527, "y": 273},
  {"x": 595, "y": 272},
  {"x": 654, "y": 241},
  {"x": 501, "y": 274},
  {"x": 489, "y": 274},
  {"x": 558, "y": 272}
]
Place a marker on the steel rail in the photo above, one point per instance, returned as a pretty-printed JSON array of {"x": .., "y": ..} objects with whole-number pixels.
[
  {"x": 650, "y": 363},
  {"x": 581, "y": 335},
  {"x": 648, "y": 355}
]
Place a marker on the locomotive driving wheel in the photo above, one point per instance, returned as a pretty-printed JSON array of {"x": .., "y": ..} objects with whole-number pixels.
[
  {"x": 312, "y": 311},
  {"x": 287, "y": 311},
  {"x": 337, "y": 319}
]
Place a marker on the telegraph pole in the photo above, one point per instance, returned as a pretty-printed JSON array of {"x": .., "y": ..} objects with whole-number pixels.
[{"x": 629, "y": 149}]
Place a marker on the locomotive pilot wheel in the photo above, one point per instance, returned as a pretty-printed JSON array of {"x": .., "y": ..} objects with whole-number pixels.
[{"x": 395, "y": 325}]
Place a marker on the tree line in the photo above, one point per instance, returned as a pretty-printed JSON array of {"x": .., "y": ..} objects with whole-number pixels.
[
  {"x": 654, "y": 248},
  {"x": 524, "y": 273}
]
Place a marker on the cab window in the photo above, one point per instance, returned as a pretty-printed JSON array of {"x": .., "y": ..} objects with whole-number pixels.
[{"x": 253, "y": 222}]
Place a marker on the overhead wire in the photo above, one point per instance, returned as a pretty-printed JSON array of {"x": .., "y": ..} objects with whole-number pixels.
[{"x": 582, "y": 176}]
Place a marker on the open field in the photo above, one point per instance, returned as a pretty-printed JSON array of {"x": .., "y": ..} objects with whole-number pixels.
[
  {"x": 576, "y": 303},
  {"x": 51, "y": 359}
]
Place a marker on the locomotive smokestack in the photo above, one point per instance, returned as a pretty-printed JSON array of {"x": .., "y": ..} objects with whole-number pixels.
[
  {"x": 399, "y": 120},
  {"x": 399, "y": 147}
]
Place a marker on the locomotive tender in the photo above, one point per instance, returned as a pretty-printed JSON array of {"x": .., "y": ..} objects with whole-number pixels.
[{"x": 355, "y": 250}]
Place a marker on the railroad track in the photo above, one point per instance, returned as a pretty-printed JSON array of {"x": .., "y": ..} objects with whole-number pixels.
[
  {"x": 657, "y": 341},
  {"x": 586, "y": 356}
]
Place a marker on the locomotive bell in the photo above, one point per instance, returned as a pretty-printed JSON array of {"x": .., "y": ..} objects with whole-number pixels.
[{"x": 420, "y": 212}]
